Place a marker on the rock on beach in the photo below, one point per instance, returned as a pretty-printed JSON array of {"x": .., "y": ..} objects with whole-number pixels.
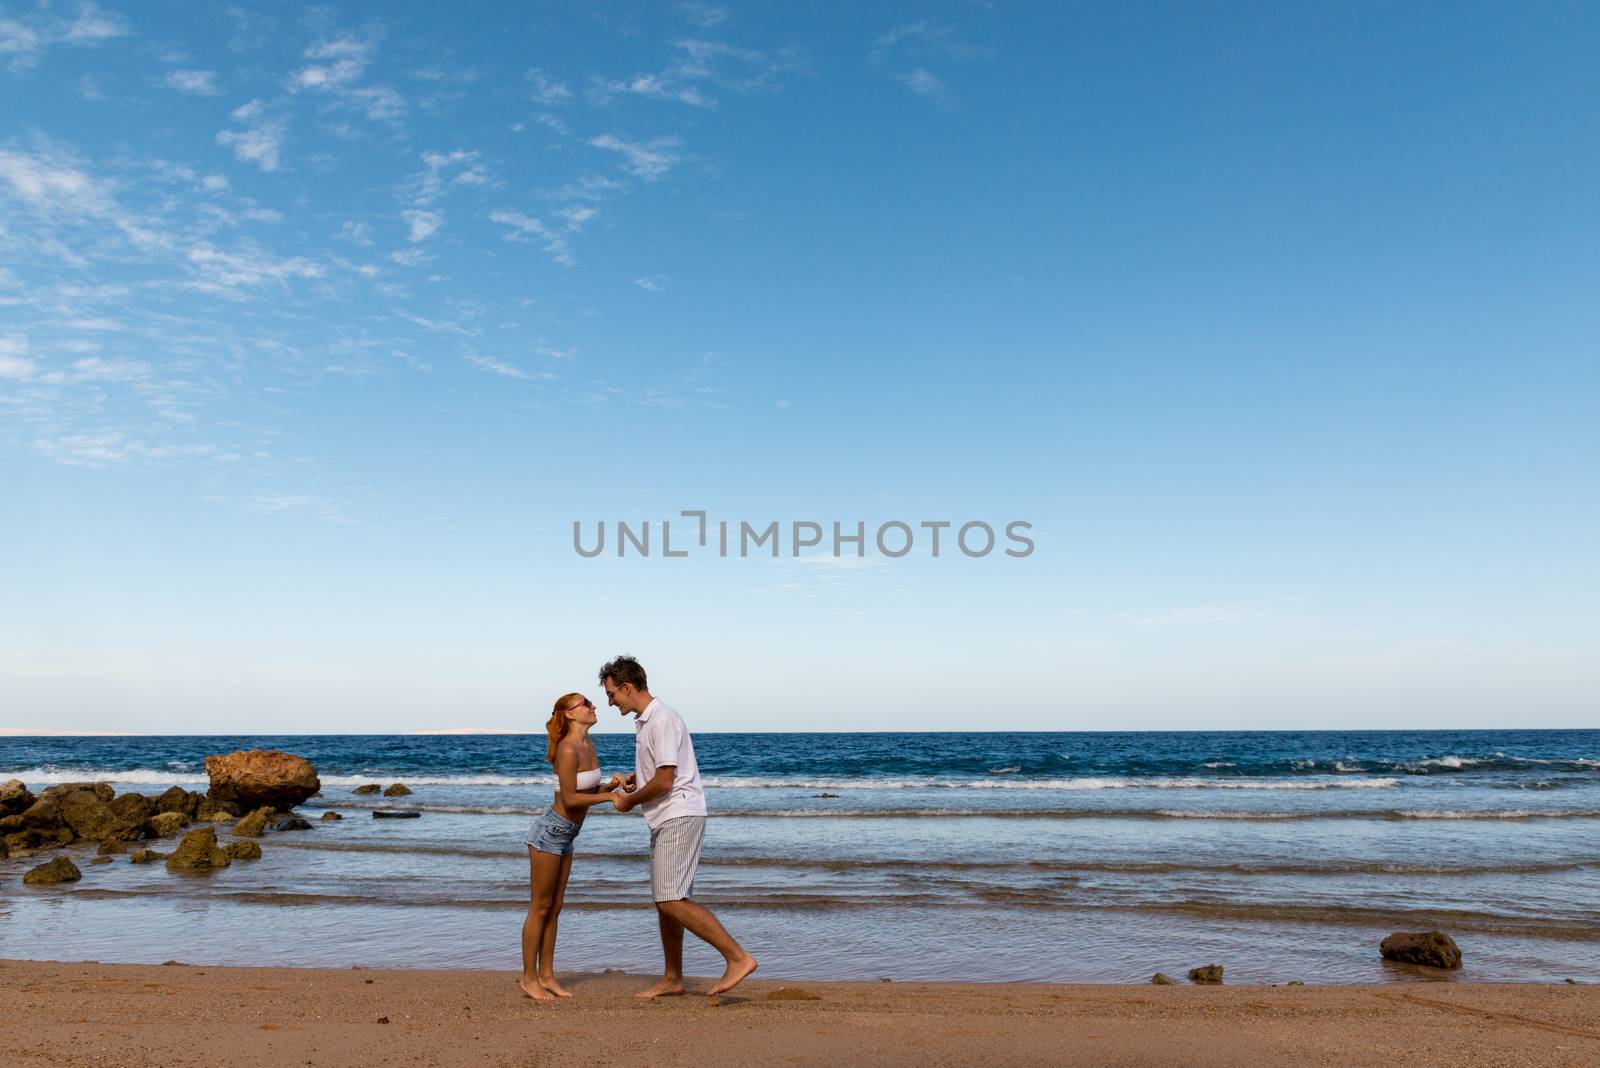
[
  {"x": 255, "y": 778},
  {"x": 198, "y": 852},
  {"x": 1434, "y": 949},
  {"x": 57, "y": 870}
]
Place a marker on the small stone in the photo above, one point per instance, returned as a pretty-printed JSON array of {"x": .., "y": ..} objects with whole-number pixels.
[
  {"x": 367, "y": 981},
  {"x": 1295, "y": 982},
  {"x": 100, "y": 860},
  {"x": 395, "y": 814},
  {"x": 293, "y": 823},
  {"x": 399, "y": 789},
  {"x": 244, "y": 849},
  {"x": 327, "y": 816},
  {"x": 886, "y": 979},
  {"x": 1574, "y": 982},
  {"x": 713, "y": 1002},
  {"x": 367, "y": 788},
  {"x": 383, "y": 1019},
  {"x": 57, "y": 870},
  {"x": 1163, "y": 979},
  {"x": 825, "y": 795},
  {"x": 1206, "y": 974},
  {"x": 145, "y": 856}
]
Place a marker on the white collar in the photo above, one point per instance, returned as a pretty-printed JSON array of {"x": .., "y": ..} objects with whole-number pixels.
[{"x": 644, "y": 717}]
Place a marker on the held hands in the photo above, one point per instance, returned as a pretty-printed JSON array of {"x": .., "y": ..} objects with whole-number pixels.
[{"x": 621, "y": 800}]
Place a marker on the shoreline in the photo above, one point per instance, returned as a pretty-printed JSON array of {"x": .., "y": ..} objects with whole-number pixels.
[{"x": 87, "y": 1013}]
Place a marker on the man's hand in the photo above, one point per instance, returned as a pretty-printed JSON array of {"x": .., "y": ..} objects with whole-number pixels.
[
  {"x": 621, "y": 799},
  {"x": 618, "y": 781}
]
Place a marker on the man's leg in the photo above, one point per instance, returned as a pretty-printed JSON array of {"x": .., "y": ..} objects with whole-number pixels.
[
  {"x": 698, "y": 919},
  {"x": 671, "y": 982}
]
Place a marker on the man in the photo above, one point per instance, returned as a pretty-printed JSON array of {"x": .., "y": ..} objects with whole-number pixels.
[{"x": 667, "y": 789}]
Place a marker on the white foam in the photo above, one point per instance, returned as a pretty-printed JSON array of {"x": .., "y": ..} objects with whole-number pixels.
[{"x": 153, "y": 777}]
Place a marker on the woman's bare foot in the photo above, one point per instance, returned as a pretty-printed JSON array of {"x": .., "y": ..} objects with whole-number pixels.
[
  {"x": 550, "y": 984},
  {"x": 664, "y": 987},
  {"x": 738, "y": 971},
  {"x": 532, "y": 988}
]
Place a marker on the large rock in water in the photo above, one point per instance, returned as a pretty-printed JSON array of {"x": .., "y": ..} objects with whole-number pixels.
[
  {"x": 92, "y": 819},
  {"x": 177, "y": 799},
  {"x": 198, "y": 852},
  {"x": 101, "y": 790},
  {"x": 261, "y": 777},
  {"x": 167, "y": 824},
  {"x": 14, "y": 798},
  {"x": 252, "y": 825},
  {"x": 242, "y": 850},
  {"x": 59, "y": 870},
  {"x": 1435, "y": 949}
]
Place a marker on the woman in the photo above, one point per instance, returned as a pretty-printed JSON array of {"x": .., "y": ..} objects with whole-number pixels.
[{"x": 551, "y": 838}]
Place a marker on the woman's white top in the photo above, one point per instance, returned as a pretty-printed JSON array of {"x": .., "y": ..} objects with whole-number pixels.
[{"x": 588, "y": 780}]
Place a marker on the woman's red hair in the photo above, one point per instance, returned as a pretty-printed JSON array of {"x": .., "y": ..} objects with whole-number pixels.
[{"x": 559, "y": 723}]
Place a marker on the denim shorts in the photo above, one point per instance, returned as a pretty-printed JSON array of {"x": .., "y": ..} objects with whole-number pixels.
[{"x": 552, "y": 833}]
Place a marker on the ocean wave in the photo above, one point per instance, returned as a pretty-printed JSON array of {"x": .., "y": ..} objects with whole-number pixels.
[
  {"x": 1083, "y": 782},
  {"x": 1158, "y": 814},
  {"x": 156, "y": 777}
]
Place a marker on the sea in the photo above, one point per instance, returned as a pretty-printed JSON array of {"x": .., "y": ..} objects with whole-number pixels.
[{"x": 1072, "y": 857}]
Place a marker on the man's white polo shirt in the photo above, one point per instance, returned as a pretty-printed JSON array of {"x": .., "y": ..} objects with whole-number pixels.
[{"x": 661, "y": 739}]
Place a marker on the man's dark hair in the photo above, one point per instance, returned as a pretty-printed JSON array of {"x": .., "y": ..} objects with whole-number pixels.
[{"x": 625, "y": 671}]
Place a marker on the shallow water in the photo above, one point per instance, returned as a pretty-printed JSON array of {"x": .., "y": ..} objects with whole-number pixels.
[{"x": 1070, "y": 857}]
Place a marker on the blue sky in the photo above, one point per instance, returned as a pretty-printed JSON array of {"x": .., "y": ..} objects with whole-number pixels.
[{"x": 319, "y": 328}]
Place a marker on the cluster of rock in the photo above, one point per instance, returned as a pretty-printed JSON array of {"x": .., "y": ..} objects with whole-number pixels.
[
  {"x": 398, "y": 789},
  {"x": 258, "y": 788},
  {"x": 1429, "y": 949}
]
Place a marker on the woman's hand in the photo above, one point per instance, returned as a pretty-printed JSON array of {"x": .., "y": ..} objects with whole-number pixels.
[{"x": 621, "y": 800}]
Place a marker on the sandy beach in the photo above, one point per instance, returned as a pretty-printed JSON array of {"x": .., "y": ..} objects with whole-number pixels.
[{"x": 176, "y": 1016}]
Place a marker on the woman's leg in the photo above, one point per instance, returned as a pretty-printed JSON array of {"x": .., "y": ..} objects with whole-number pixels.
[
  {"x": 547, "y": 946},
  {"x": 543, "y": 871}
]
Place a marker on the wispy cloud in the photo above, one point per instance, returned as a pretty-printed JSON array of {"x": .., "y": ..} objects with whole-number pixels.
[
  {"x": 922, "y": 42},
  {"x": 336, "y": 69},
  {"x": 25, "y": 39},
  {"x": 261, "y": 140},
  {"x": 705, "y": 15},
  {"x": 523, "y": 227},
  {"x": 198, "y": 82},
  {"x": 647, "y": 161},
  {"x": 926, "y": 84},
  {"x": 499, "y": 367}
]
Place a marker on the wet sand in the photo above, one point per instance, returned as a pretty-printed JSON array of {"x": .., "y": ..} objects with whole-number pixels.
[{"x": 177, "y": 1016}]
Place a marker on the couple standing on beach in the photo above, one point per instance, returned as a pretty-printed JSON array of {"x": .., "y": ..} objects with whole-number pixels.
[{"x": 665, "y": 786}]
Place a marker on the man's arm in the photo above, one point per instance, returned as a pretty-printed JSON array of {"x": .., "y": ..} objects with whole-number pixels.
[{"x": 659, "y": 784}]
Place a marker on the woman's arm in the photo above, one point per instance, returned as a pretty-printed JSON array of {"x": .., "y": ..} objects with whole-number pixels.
[
  {"x": 567, "y": 781},
  {"x": 660, "y": 783}
]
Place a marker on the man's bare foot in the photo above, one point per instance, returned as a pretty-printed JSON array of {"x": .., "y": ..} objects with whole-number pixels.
[
  {"x": 532, "y": 988},
  {"x": 665, "y": 987},
  {"x": 550, "y": 984},
  {"x": 738, "y": 971}
]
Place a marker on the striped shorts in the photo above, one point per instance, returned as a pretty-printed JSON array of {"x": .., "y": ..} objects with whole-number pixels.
[{"x": 674, "y": 857}]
